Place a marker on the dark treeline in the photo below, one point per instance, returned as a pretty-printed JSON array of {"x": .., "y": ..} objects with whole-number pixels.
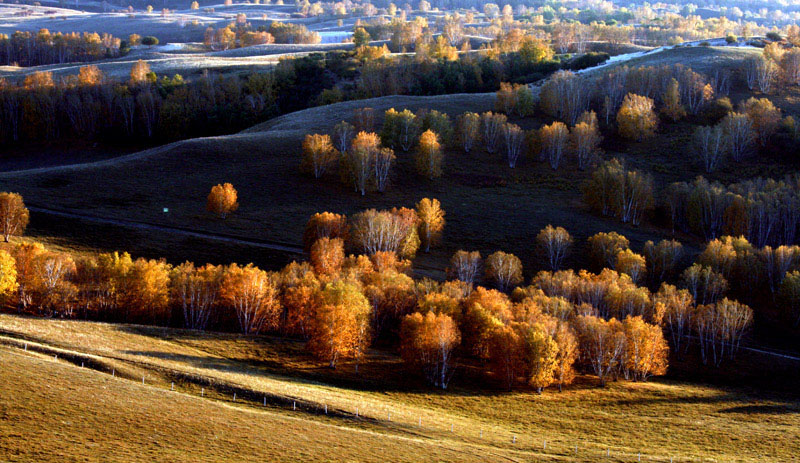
[
  {"x": 26, "y": 48},
  {"x": 92, "y": 106}
]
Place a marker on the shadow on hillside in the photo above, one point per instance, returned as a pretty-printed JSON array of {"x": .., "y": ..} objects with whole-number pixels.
[
  {"x": 785, "y": 405},
  {"x": 763, "y": 409}
]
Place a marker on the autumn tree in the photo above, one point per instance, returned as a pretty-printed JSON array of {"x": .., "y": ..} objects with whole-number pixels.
[
  {"x": 327, "y": 255},
  {"x": 739, "y": 134},
  {"x": 222, "y": 200},
  {"x": 90, "y": 75},
  {"x": 567, "y": 343},
  {"x": 719, "y": 328},
  {"x": 14, "y": 215},
  {"x": 319, "y": 155},
  {"x": 585, "y": 140},
  {"x": 514, "y": 141},
  {"x": 299, "y": 287},
  {"x": 631, "y": 264},
  {"x": 554, "y": 244},
  {"x": 143, "y": 290},
  {"x": 764, "y": 116},
  {"x": 704, "y": 283},
  {"x": 343, "y": 134},
  {"x": 673, "y": 108},
  {"x": 468, "y": 129},
  {"x": 431, "y": 221},
  {"x": 324, "y": 225},
  {"x": 565, "y": 96},
  {"x": 602, "y": 344},
  {"x": 636, "y": 118},
  {"x": 340, "y": 328},
  {"x": 711, "y": 145},
  {"x": 626, "y": 194},
  {"x": 428, "y": 342},
  {"x": 505, "y": 352},
  {"x": 55, "y": 291},
  {"x": 252, "y": 294},
  {"x": 504, "y": 270},
  {"x": 646, "y": 351},
  {"x": 372, "y": 231},
  {"x": 553, "y": 139},
  {"x": 678, "y": 308},
  {"x": 360, "y": 37},
  {"x": 492, "y": 126},
  {"x": 484, "y": 310},
  {"x": 196, "y": 291},
  {"x": 465, "y": 266},
  {"x": 429, "y": 155},
  {"x": 27, "y": 257},
  {"x": 139, "y": 72},
  {"x": 359, "y": 160},
  {"x": 540, "y": 353},
  {"x": 604, "y": 248},
  {"x": 8, "y": 276},
  {"x": 382, "y": 162},
  {"x": 662, "y": 258}
]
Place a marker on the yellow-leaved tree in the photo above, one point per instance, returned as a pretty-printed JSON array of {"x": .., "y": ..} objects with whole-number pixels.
[
  {"x": 429, "y": 155},
  {"x": 636, "y": 118},
  {"x": 431, "y": 221},
  {"x": 340, "y": 327},
  {"x": 8, "y": 275},
  {"x": 253, "y": 296}
]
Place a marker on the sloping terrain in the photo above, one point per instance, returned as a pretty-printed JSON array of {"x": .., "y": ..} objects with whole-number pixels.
[
  {"x": 380, "y": 409},
  {"x": 478, "y": 190}
]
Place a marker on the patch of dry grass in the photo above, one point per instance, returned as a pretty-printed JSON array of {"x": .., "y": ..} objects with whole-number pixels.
[{"x": 661, "y": 419}]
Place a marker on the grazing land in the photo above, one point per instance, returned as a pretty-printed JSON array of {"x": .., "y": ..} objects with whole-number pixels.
[{"x": 705, "y": 422}]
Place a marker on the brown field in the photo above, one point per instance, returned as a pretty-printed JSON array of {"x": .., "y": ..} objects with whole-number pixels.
[{"x": 662, "y": 419}]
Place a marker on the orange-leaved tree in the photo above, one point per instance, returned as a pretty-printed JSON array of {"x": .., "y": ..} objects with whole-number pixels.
[
  {"x": 253, "y": 296},
  {"x": 340, "y": 327},
  {"x": 14, "y": 215},
  {"x": 222, "y": 200},
  {"x": 428, "y": 342}
]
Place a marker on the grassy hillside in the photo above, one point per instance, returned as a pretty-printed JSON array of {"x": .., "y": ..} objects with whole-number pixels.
[
  {"x": 660, "y": 419},
  {"x": 84, "y": 415},
  {"x": 702, "y": 59},
  {"x": 478, "y": 190}
]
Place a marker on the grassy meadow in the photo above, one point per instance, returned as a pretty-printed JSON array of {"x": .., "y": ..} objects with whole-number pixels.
[{"x": 381, "y": 409}]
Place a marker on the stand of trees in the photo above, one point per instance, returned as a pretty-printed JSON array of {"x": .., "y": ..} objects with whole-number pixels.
[
  {"x": 608, "y": 323},
  {"x": 25, "y": 48}
]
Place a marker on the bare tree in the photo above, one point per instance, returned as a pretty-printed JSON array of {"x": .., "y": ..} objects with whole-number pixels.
[
  {"x": 343, "y": 134},
  {"x": 465, "y": 266},
  {"x": 554, "y": 243},
  {"x": 492, "y": 128},
  {"x": 514, "y": 139},
  {"x": 711, "y": 146},
  {"x": 553, "y": 139}
]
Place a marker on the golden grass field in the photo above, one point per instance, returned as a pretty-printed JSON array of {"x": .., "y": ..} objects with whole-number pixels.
[{"x": 95, "y": 415}]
